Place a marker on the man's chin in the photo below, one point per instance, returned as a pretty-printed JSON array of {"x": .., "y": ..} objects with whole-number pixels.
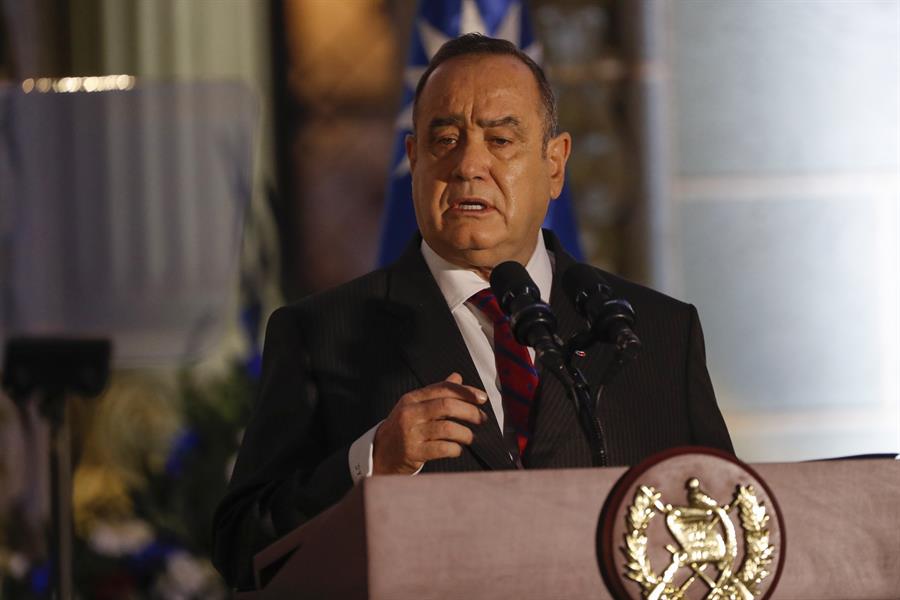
[
  {"x": 471, "y": 255},
  {"x": 478, "y": 247}
]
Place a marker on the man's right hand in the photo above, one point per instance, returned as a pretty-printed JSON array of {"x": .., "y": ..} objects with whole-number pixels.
[{"x": 419, "y": 427}]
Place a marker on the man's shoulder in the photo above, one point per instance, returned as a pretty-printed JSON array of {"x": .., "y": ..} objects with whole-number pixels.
[
  {"x": 332, "y": 316},
  {"x": 648, "y": 303},
  {"x": 629, "y": 289},
  {"x": 341, "y": 298},
  {"x": 640, "y": 296}
]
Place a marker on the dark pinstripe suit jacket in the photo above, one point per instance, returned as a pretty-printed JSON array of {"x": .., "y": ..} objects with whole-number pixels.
[{"x": 335, "y": 364}]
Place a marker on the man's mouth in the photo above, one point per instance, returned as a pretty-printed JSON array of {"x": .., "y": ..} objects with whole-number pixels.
[{"x": 470, "y": 205}]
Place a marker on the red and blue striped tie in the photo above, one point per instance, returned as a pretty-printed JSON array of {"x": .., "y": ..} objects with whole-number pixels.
[{"x": 518, "y": 377}]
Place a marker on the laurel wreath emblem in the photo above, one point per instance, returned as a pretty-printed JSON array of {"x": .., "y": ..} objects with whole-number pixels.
[
  {"x": 639, "y": 515},
  {"x": 758, "y": 552},
  {"x": 742, "y": 585}
]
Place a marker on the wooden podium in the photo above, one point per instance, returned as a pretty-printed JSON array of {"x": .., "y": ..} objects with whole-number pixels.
[{"x": 533, "y": 534}]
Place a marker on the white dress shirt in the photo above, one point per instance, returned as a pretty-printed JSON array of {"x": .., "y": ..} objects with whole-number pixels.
[{"x": 457, "y": 285}]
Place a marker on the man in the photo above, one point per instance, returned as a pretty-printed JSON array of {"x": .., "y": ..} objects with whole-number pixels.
[{"x": 407, "y": 369}]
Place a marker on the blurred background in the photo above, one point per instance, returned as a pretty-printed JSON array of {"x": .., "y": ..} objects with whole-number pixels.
[{"x": 173, "y": 170}]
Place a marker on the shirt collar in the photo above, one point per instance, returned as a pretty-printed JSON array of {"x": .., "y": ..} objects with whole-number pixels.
[{"x": 458, "y": 284}]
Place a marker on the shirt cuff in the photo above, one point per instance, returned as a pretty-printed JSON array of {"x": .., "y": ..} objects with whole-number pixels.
[{"x": 360, "y": 455}]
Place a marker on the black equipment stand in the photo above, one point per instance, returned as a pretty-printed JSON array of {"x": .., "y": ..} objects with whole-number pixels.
[{"x": 51, "y": 369}]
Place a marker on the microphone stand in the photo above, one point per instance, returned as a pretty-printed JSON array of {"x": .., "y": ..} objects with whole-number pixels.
[
  {"x": 534, "y": 324},
  {"x": 579, "y": 391},
  {"x": 582, "y": 341}
]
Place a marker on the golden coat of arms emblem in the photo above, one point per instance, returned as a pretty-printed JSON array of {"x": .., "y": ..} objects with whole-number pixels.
[{"x": 707, "y": 544}]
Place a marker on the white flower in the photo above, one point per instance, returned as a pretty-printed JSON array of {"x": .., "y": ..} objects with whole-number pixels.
[
  {"x": 120, "y": 538},
  {"x": 188, "y": 577},
  {"x": 17, "y": 565},
  {"x": 13, "y": 563}
]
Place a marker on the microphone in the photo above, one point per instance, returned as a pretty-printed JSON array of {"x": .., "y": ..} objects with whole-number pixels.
[
  {"x": 534, "y": 324},
  {"x": 532, "y": 321},
  {"x": 610, "y": 319}
]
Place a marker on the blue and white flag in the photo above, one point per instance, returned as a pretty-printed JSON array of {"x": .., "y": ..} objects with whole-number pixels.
[{"x": 438, "y": 21}]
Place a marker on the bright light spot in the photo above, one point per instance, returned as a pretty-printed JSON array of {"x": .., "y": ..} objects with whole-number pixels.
[{"x": 94, "y": 83}]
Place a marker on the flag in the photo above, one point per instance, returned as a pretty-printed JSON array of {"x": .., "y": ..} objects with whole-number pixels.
[{"x": 436, "y": 22}]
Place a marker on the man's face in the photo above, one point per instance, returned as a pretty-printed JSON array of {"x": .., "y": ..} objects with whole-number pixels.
[{"x": 481, "y": 178}]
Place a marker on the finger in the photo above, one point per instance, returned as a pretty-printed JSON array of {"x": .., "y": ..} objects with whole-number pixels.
[
  {"x": 454, "y": 377},
  {"x": 449, "y": 431},
  {"x": 439, "y": 449},
  {"x": 447, "y": 389},
  {"x": 466, "y": 392},
  {"x": 450, "y": 408}
]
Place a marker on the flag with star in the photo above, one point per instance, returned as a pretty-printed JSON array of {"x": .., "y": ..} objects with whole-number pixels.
[{"x": 437, "y": 21}]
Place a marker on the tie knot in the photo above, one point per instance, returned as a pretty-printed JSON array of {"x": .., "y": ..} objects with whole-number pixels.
[{"x": 487, "y": 303}]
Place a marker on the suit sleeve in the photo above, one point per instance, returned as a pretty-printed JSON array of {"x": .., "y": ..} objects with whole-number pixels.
[
  {"x": 285, "y": 472},
  {"x": 707, "y": 425}
]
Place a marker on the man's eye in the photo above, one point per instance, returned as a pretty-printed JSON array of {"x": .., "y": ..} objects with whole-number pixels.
[
  {"x": 498, "y": 141},
  {"x": 446, "y": 141}
]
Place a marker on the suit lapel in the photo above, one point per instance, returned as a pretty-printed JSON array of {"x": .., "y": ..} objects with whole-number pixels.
[{"x": 430, "y": 341}]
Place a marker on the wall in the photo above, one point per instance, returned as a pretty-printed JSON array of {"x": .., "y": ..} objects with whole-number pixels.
[{"x": 783, "y": 182}]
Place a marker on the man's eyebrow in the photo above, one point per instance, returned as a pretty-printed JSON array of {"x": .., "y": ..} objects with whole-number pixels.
[
  {"x": 507, "y": 121},
  {"x": 459, "y": 121},
  {"x": 456, "y": 120}
]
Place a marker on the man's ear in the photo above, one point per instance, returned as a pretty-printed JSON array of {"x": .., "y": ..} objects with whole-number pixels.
[
  {"x": 558, "y": 150},
  {"x": 411, "y": 150}
]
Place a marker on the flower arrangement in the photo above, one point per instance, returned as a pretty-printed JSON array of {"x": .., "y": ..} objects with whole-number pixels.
[{"x": 155, "y": 454}]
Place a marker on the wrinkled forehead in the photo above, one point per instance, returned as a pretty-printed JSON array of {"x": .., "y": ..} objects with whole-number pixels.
[{"x": 480, "y": 87}]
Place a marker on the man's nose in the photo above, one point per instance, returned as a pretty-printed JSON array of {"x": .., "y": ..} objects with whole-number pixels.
[{"x": 473, "y": 160}]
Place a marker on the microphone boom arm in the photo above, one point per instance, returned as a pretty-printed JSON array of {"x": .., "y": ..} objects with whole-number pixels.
[{"x": 554, "y": 359}]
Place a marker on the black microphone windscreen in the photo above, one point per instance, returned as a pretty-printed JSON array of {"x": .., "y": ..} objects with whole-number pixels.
[
  {"x": 581, "y": 278},
  {"x": 510, "y": 279}
]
